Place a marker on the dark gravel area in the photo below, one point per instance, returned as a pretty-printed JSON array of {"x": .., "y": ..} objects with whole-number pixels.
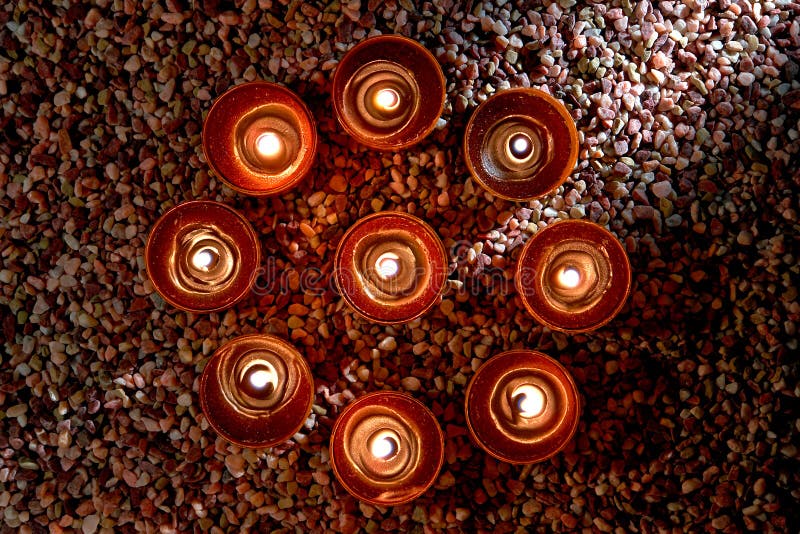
[{"x": 689, "y": 121}]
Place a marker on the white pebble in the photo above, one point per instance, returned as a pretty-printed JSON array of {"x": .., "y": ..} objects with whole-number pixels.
[{"x": 746, "y": 78}]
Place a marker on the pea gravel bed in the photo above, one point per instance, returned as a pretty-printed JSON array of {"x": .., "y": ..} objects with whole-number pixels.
[{"x": 689, "y": 118}]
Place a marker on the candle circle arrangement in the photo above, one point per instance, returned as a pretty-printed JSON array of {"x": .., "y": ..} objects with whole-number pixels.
[
  {"x": 573, "y": 276},
  {"x": 520, "y": 144},
  {"x": 256, "y": 391},
  {"x": 522, "y": 407},
  {"x": 388, "y": 92},
  {"x": 386, "y": 448},
  {"x": 390, "y": 267},
  {"x": 202, "y": 256},
  {"x": 259, "y": 138}
]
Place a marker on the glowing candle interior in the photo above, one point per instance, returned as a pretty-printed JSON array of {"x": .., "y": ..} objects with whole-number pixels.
[
  {"x": 569, "y": 278},
  {"x": 269, "y": 144},
  {"x": 383, "y": 447},
  {"x": 520, "y": 146},
  {"x": 388, "y": 265},
  {"x": 260, "y": 378},
  {"x": 530, "y": 400},
  {"x": 384, "y": 444},
  {"x": 387, "y": 99},
  {"x": 203, "y": 259}
]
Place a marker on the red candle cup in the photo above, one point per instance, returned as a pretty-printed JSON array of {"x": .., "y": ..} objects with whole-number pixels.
[
  {"x": 259, "y": 138},
  {"x": 520, "y": 144},
  {"x": 390, "y": 267},
  {"x": 386, "y": 448},
  {"x": 202, "y": 256},
  {"x": 573, "y": 276},
  {"x": 256, "y": 391},
  {"x": 522, "y": 407},
  {"x": 378, "y": 91}
]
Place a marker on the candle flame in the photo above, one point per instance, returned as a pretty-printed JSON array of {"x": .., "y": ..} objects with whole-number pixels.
[
  {"x": 269, "y": 144},
  {"x": 203, "y": 259},
  {"x": 387, "y": 99},
  {"x": 569, "y": 277},
  {"x": 383, "y": 447},
  {"x": 387, "y": 265},
  {"x": 530, "y": 400},
  {"x": 260, "y": 378},
  {"x": 520, "y": 145}
]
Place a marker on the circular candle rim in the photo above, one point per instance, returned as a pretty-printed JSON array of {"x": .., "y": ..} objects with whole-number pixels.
[
  {"x": 528, "y": 282},
  {"x": 353, "y": 292},
  {"x": 484, "y": 429},
  {"x": 219, "y": 138},
  {"x": 506, "y": 104},
  {"x": 199, "y": 213},
  {"x": 404, "y": 52},
  {"x": 425, "y": 474},
  {"x": 290, "y": 415}
]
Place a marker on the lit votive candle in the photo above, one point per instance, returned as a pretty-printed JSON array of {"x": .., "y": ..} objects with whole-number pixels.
[
  {"x": 256, "y": 391},
  {"x": 202, "y": 256},
  {"x": 520, "y": 144},
  {"x": 522, "y": 407},
  {"x": 259, "y": 138},
  {"x": 573, "y": 276},
  {"x": 386, "y": 448},
  {"x": 390, "y": 267},
  {"x": 388, "y": 92}
]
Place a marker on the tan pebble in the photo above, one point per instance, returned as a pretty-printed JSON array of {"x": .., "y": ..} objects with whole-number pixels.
[
  {"x": 16, "y": 410},
  {"x": 295, "y": 322},
  {"x": 90, "y": 524},
  {"x": 321, "y": 477},
  {"x": 298, "y": 309},
  {"x": 87, "y": 321},
  {"x": 123, "y": 212},
  {"x": 307, "y": 230},
  {"x": 410, "y": 383},
  {"x": 316, "y": 199},
  {"x": 691, "y": 485},
  {"x": 184, "y": 399},
  {"x": 388, "y": 343},
  {"x": 92, "y": 18},
  {"x": 462, "y": 514},
  {"x": 71, "y": 266},
  {"x": 338, "y": 183},
  {"x": 235, "y": 464}
]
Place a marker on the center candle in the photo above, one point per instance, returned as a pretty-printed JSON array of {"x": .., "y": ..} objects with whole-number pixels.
[
  {"x": 386, "y": 448},
  {"x": 390, "y": 267},
  {"x": 388, "y": 92},
  {"x": 522, "y": 406}
]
